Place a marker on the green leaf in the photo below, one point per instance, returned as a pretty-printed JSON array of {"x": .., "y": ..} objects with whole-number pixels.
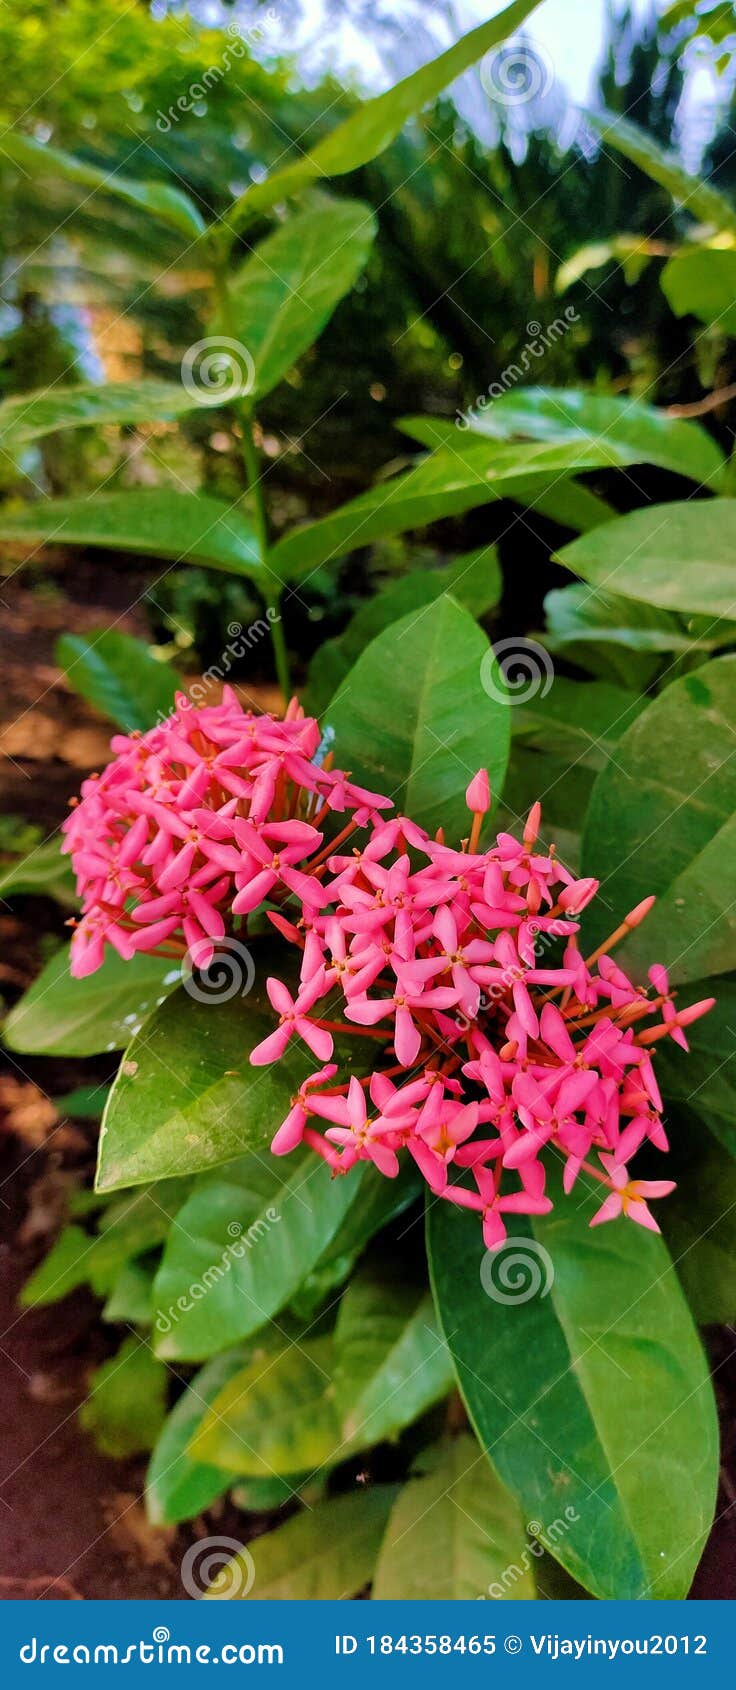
[
  {"x": 679, "y": 557},
  {"x": 422, "y": 710},
  {"x": 379, "y": 1201},
  {"x": 367, "y": 133},
  {"x": 705, "y": 1079},
  {"x": 623, "y": 640},
  {"x": 61, "y": 1271},
  {"x": 662, "y": 820},
  {"x": 391, "y": 1362},
  {"x": 588, "y": 1389},
  {"x": 156, "y": 198},
  {"x": 127, "y": 1403},
  {"x": 697, "y": 197},
  {"x": 701, "y": 281},
  {"x": 699, "y": 1223},
  {"x": 59, "y": 1016},
  {"x": 42, "y": 871},
  {"x": 321, "y": 1555},
  {"x": 626, "y": 430},
  {"x": 454, "y": 1534},
  {"x": 277, "y": 1415},
  {"x": 454, "y": 479},
  {"x": 281, "y": 298},
  {"x": 129, "y": 1302},
  {"x": 475, "y": 580},
  {"x": 127, "y": 1229},
  {"x": 241, "y": 1245},
  {"x": 162, "y": 522},
  {"x": 178, "y": 1487},
  {"x": 118, "y": 675},
  {"x": 29, "y": 416},
  {"x": 186, "y": 1097}
]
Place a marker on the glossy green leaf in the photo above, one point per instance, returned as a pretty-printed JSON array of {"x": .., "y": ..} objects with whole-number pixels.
[
  {"x": 696, "y": 196},
  {"x": 155, "y": 198},
  {"x": 160, "y": 522},
  {"x": 42, "y": 871},
  {"x": 125, "y": 1409},
  {"x": 379, "y": 1202},
  {"x": 375, "y": 125},
  {"x": 241, "y": 1245},
  {"x": 624, "y": 640},
  {"x": 323, "y": 1554},
  {"x": 178, "y": 1487},
  {"x": 468, "y": 472},
  {"x": 277, "y": 1415},
  {"x": 59, "y": 1016},
  {"x": 701, "y": 281},
  {"x": 186, "y": 1098},
  {"x": 29, "y": 416},
  {"x": 454, "y": 1534},
  {"x": 588, "y": 1389},
  {"x": 627, "y": 430},
  {"x": 281, "y": 298},
  {"x": 662, "y": 819},
  {"x": 474, "y": 580},
  {"x": 118, "y": 675},
  {"x": 678, "y": 557},
  {"x": 422, "y": 710},
  {"x": 390, "y": 1361},
  {"x": 699, "y": 1222},
  {"x": 704, "y": 1080}
]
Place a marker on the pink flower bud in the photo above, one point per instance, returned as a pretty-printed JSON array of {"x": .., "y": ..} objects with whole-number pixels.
[{"x": 478, "y": 794}]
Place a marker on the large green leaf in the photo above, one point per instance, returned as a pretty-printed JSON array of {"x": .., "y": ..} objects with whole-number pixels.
[
  {"x": 379, "y": 1202},
  {"x": 321, "y": 1555},
  {"x": 186, "y": 1097},
  {"x": 281, "y": 298},
  {"x": 699, "y": 1222},
  {"x": 187, "y": 527},
  {"x": 118, "y": 675},
  {"x": 127, "y": 1402},
  {"x": 277, "y": 1415},
  {"x": 705, "y": 1080},
  {"x": 391, "y": 1363},
  {"x": 474, "y": 580},
  {"x": 177, "y": 1486},
  {"x": 60, "y": 1016},
  {"x": 469, "y": 471},
  {"x": 377, "y": 122},
  {"x": 241, "y": 1245},
  {"x": 624, "y": 640},
  {"x": 627, "y": 429},
  {"x": 679, "y": 557},
  {"x": 662, "y": 819},
  {"x": 702, "y": 280},
  {"x": 695, "y": 196},
  {"x": 588, "y": 1389},
  {"x": 155, "y": 198},
  {"x": 455, "y": 1534},
  {"x": 31, "y": 415},
  {"x": 424, "y": 708}
]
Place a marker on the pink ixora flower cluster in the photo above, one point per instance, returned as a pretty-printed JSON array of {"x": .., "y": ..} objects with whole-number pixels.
[{"x": 492, "y": 1039}]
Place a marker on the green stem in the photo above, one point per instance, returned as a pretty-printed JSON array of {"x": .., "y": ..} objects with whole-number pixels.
[{"x": 252, "y": 470}]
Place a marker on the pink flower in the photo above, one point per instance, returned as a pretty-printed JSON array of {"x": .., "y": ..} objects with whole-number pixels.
[
  {"x": 292, "y": 1015},
  {"x": 628, "y": 1196}
]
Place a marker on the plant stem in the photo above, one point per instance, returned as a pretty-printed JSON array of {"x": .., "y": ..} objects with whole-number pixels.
[{"x": 252, "y": 470}]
